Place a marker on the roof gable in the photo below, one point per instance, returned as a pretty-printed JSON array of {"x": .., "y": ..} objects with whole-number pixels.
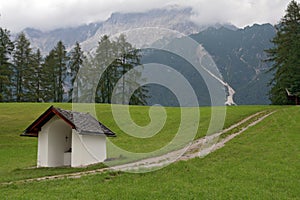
[{"x": 83, "y": 123}]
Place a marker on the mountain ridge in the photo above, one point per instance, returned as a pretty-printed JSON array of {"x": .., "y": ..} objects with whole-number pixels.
[
  {"x": 173, "y": 18},
  {"x": 237, "y": 52},
  {"x": 240, "y": 57}
]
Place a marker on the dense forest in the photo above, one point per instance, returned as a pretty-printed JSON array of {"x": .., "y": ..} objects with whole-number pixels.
[{"x": 28, "y": 76}]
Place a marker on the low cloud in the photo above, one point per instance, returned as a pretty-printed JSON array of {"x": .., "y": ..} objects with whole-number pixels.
[{"x": 49, "y": 14}]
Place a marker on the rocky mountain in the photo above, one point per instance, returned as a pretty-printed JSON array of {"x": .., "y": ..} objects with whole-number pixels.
[
  {"x": 239, "y": 56},
  {"x": 238, "y": 53},
  {"x": 178, "y": 19},
  {"x": 45, "y": 41}
]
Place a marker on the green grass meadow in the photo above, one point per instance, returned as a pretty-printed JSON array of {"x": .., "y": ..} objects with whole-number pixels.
[{"x": 261, "y": 163}]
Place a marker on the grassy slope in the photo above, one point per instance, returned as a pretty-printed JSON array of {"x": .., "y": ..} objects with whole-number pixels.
[
  {"x": 262, "y": 163},
  {"x": 17, "y": 153}
]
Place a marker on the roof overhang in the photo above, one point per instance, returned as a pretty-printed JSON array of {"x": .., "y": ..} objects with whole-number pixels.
[
  {"x": 33, "y": 129},
  {"x": 68, "y": 117}
]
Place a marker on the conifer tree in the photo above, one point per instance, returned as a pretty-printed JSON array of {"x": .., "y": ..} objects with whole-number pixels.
[
  {"x": 117, "y": 58},
  {"x": 34, "y": 80},
  {"x": 60, "y": 70},
  {"x": 105, "y": 55},
  {"x": 76, "y": 61},
  {"x": 128, "y": 58},
  {"x": 6, "y": 49},
  {"x": 59, "y": 60},
  {"x": 54, "y": 73},
  {"x": 48, "y": 78},
  {"x": 22, "y": 59},
  {"x": 285, "y": 56},
  {"x": 86, "y": 83}
]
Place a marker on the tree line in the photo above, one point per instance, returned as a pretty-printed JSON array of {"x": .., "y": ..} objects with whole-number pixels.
[{"x": 28, "y": 76}]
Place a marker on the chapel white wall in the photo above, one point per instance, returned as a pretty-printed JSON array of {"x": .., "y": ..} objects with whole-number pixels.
[{"x": 87, "y": 149}]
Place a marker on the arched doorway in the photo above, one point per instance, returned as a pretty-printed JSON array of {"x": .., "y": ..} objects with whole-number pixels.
[{"x": 59, "y": 144}]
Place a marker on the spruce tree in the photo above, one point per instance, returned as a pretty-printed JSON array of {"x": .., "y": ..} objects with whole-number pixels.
[
  {"x": 285, "y": 56},
  {"x": 48, "y": 78},
  {"x": 76, "y": 61},
  {"x": 22, "y": 58},
  {"x": 6, "y": 49},
  {"x": 54, "y": 73},
  {"x": 60, "y": 70},
  {"x": 34, "y": 80},
  {"x": 86, "y": 83},
  {"x": 105, "y": 56}
]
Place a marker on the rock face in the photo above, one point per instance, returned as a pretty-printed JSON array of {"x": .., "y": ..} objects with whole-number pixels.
[
  {"x": 238, "y": 53},
  {"x": 178, "y": 19},
  {"x": 45, "y": 41}
]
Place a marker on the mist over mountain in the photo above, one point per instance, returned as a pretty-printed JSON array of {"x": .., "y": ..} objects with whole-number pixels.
[
  {"x": 238, "y": 53},
  {"x": 175, "y": 18}
]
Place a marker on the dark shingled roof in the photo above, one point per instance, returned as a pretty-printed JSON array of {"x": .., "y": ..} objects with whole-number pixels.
[{"x": 84, "y": 123}]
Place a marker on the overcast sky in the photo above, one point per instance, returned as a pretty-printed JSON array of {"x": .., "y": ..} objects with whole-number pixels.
[{"x": 49, "y": 14}]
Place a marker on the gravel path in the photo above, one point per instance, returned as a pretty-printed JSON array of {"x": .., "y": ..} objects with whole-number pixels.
[{"x": 198, "y": 148}]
